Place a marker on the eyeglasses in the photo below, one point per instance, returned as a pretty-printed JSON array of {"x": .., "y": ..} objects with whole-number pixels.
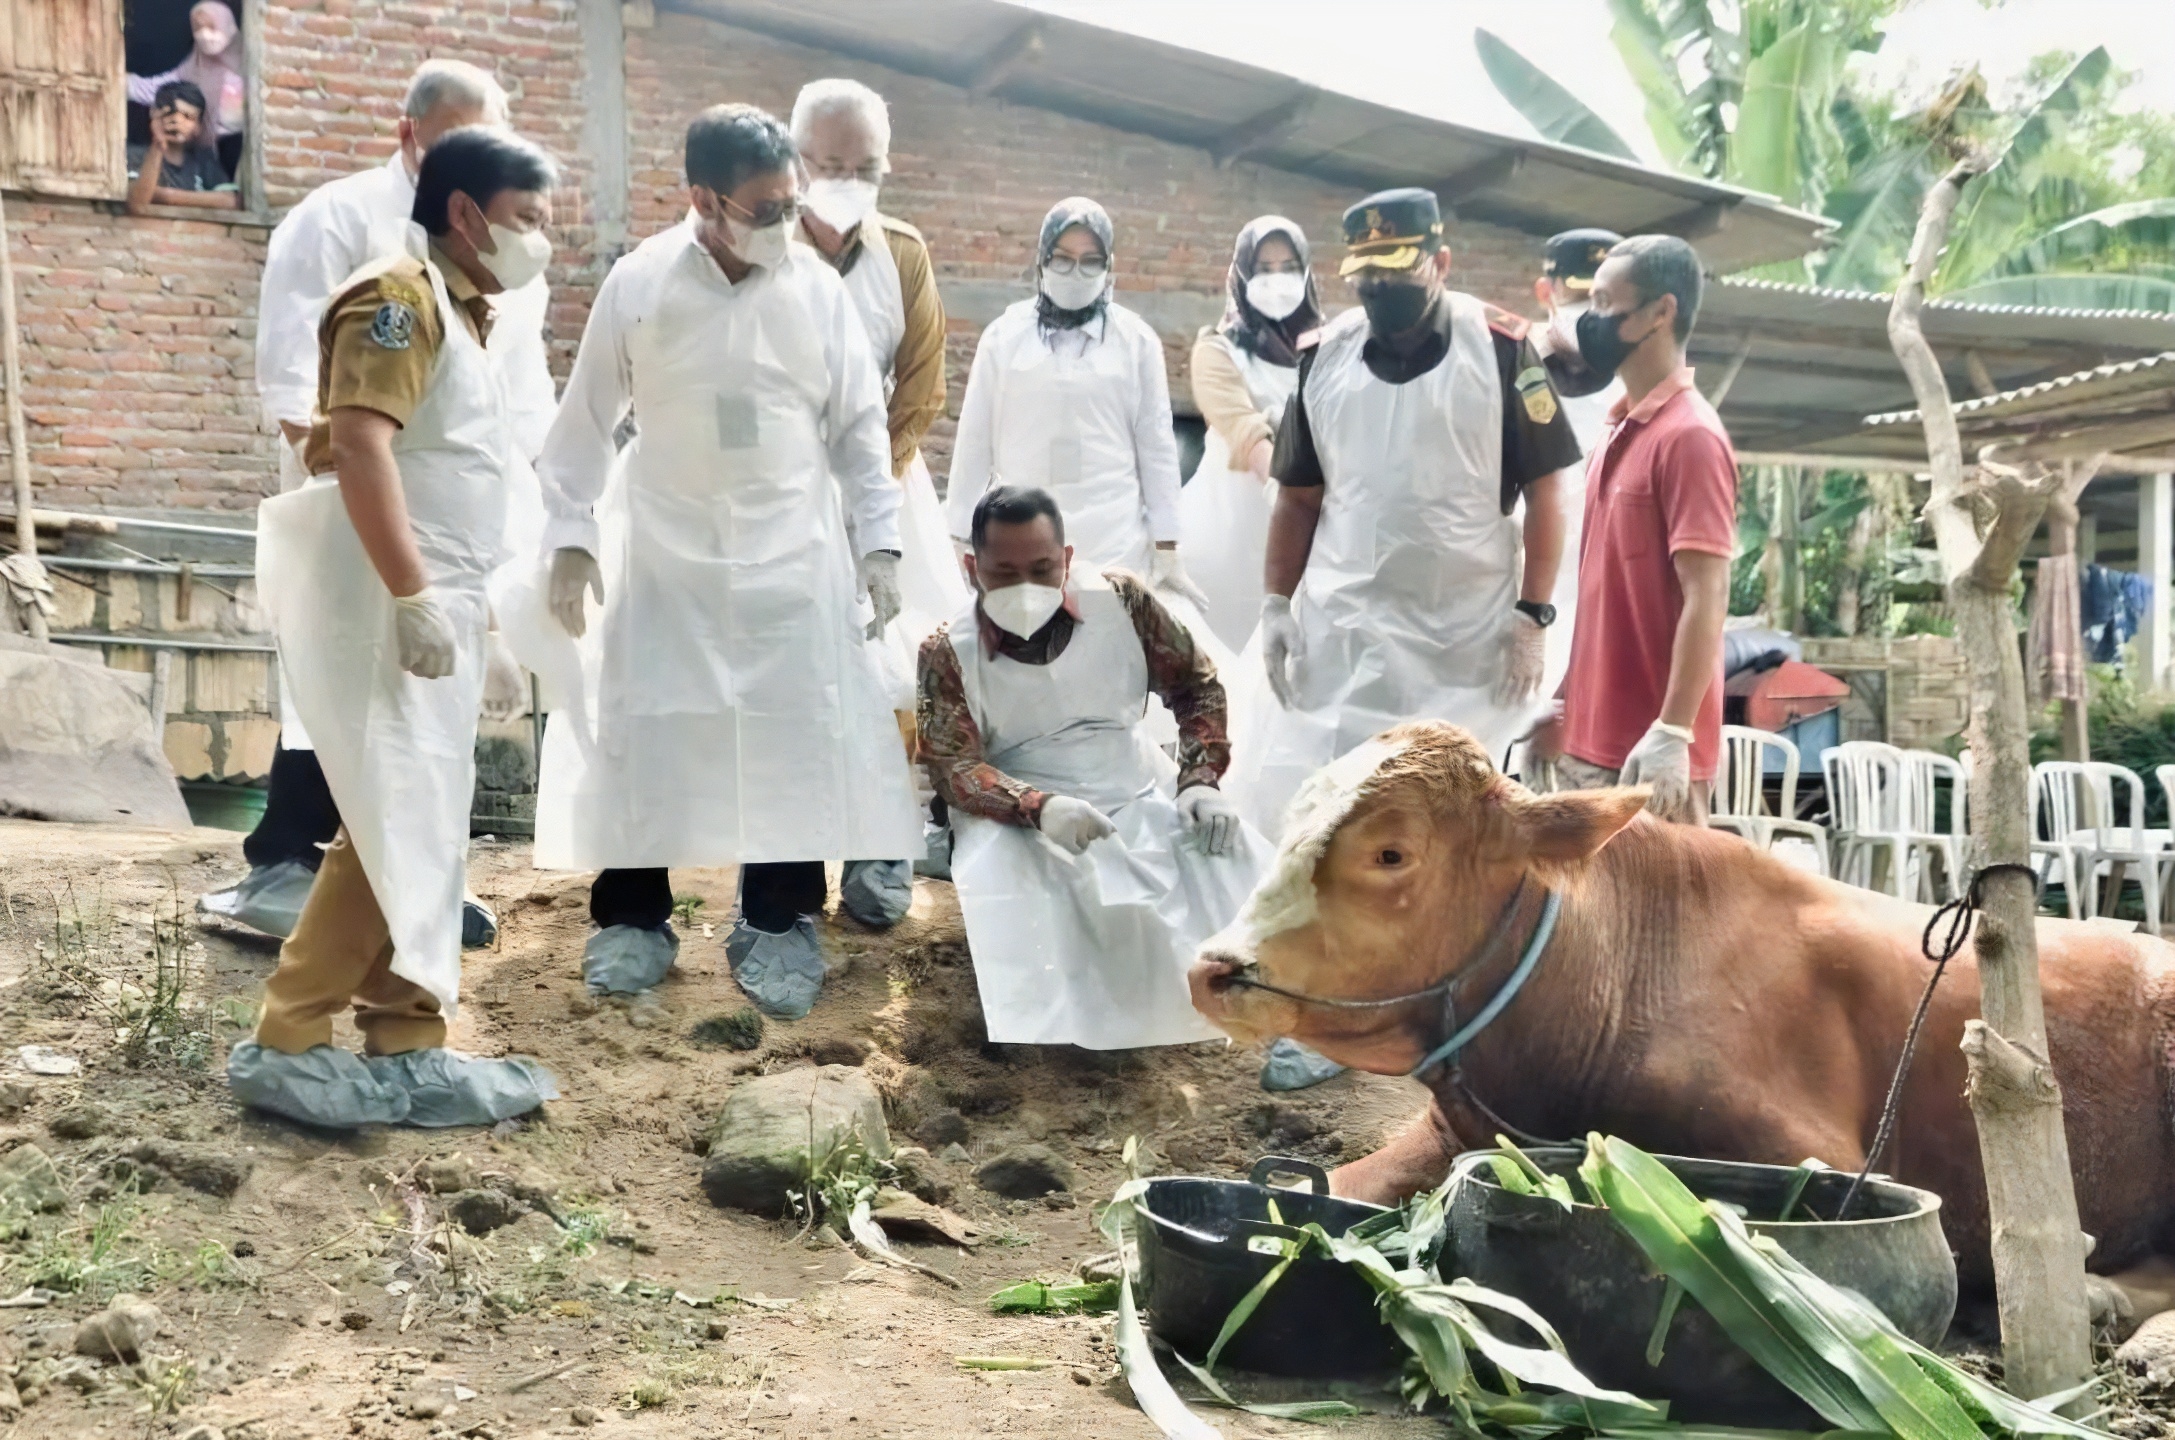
[
  {"x": 769, "y": 213},
  {"x": 1092, "y": 266},
  {"x": 870, "y": 173}
]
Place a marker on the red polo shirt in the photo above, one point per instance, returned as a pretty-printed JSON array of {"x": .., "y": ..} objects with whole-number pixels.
[{"x": 1664, "y": 480}]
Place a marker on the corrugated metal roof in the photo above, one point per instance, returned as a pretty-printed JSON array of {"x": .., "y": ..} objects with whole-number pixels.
[
  {"x": 1243, "y": 112},
  {"x": 1883, "y": 300},
  {"x": 2109, "y": 382}
]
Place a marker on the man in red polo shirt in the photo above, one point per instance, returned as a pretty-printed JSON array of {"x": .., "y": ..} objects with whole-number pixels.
[{"x": 1642, "y": 699}]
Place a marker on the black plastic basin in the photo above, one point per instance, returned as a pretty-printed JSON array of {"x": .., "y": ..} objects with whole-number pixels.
[
  {"x": 1318, "y": 1322},
  {"x": 1594, "y": 1284}
]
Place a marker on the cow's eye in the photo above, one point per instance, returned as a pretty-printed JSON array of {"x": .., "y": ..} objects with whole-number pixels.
[{"x": 1391, "y": 857}]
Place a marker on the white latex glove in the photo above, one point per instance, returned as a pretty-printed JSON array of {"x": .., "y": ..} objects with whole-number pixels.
[
  {"x": 1210, "y": 818},
  {"x": 1525, "y": 656},
  {"x": 1662, "y": 759},
  {"x": 1167, "y": 572},
  {"x": 880, "y": 577},
  {"x": 1282, "y": 647},
  {"x": 1073, "y": 824},
  {"x": 505, "y": 683},
  {"x": 425, "y": 635},
  {"x": 574, "y": 570}
]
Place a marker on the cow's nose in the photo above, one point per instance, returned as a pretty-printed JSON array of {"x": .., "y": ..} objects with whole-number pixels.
[{"x": 1209, "y": 981}]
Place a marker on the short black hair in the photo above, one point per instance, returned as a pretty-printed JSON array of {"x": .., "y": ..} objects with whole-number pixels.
[
  {"x": 186, "y": 91},
  {"x": 729, "y": 144},
  {"x": 1014, "y": 505},
  {"x": 1665, "y": 265},
  {"x": 479, "y": 161}
]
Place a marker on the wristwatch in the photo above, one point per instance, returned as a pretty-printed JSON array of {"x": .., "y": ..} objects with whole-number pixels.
[{"x": 1539, "y": 612}]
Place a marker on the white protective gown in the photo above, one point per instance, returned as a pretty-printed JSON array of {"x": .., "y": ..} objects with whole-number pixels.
[
  {"x": 399, "y": 752},
  {"x": 724, "y": 708},
  {"x": 1089, "y": 950},
  {"x": 1413, "y": 575},
  {"x": 930, "y": 585},
  {"x": 331, "y": 234},
  {"x": 1084, "y": 414},
  {"x": 1223, "y": 512}
]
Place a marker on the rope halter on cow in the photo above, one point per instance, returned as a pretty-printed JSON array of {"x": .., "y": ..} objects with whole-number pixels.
[{"x": 1461, "y": 1036}]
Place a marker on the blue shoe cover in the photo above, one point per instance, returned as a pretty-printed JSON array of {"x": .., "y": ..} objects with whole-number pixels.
[
  {"x": 479, "y": 927},
  {"x": 936, "y": 861},
  {"x": 268, "y": 899},
  {"x": 322, "y": 1086},
  {"x": 628, "y": 959},
  {"x": 878, "y": 893},
  {"x": 445, "y": 1087},
  {"x": 782, "y": 974},
  {"x": 1292, "y": 1066}
]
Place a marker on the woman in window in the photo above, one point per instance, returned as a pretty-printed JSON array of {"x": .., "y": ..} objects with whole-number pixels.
[{"x": 214, "y": 66}]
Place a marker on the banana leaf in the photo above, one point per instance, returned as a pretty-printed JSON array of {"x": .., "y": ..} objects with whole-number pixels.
[
  {"x": 2073, "y": 292},
  {"x": 2140, "y": 228},
  {"x": 1547, "y": 106}
]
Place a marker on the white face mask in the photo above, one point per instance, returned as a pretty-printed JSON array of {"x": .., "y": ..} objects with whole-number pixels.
[
  {"x": 1276, "y": 295},
  {"x": 1075, "y": 291},
  {"x": 841, "y": 204},
  {"x": 520, "y": 257},
  {"x": 1022, "y": 609},
  {"x": 765, "y": 247}
]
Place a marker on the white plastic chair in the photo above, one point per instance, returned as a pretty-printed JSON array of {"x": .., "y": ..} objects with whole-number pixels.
[
  {"x": 1740, "y": 797},
  {"x": 1923, "y": 770},
  {"x": 1865, "y": 813},
  {"x": 2073, "y": 809},
  {"x": 2123, "y": 851}
]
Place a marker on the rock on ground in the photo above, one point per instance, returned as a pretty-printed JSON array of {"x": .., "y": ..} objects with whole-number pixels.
[
  {"x": 771, "y": 1126},
  {"x": 121, "y": 1330},
  {"x": 2151, "y": 1351},
  {"x": 482, "y": 1211},
  {"x": 1027, "y": 1172}
]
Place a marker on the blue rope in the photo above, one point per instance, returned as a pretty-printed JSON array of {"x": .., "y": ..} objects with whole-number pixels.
[{"x": 1527, "y": 963}]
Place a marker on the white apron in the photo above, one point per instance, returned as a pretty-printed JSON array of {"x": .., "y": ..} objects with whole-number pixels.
[
  {"x": 930, "y": 584},
  {"x": 1063, "y": 422},
  {"x": 1414, "y": 571},
  {"x": 399, "y": 752},
  {"x": 733, "y": 713},
  {"x": 1087, "y": 950},
  {"x": 1223, "y": 513}
]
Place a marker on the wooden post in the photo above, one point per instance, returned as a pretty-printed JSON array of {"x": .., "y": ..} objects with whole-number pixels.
[
  {"x": 2031, "y": 1199},
  {"x": 11, "y": 374}
]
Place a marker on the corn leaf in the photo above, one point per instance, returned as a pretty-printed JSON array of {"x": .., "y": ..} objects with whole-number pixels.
[
  {"x": 1671, "y": 1298},
  {"x": 1682, "y": 1240},
  {"x": 1248, "y": 1303},
  {"x": 1796, "y": 1192},
  {"x": 1151, "y": 1392},
  {"x": 1310, "y": 1410},
  {"x": 1040, "y": 1297}
]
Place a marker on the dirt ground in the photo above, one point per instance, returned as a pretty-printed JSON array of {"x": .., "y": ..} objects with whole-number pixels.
[{"x": 331, "y": 1294}]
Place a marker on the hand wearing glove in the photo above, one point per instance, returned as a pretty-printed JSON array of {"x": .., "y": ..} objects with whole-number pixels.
[
  {"x": 425, "y": 635},
  {"x": 1167, "y": 572},
  {"x": 880, "y": 577},
  {"x": 1662, "y": 759},
  {"x": 1282, "y": 647},
  {"x": 574, "y": 570},
  {"x": 1073, "y": 824},
  {"x": 1210, "y": 818},
  {"x": 505, "y": 683},
  {"x": 1525, "y": 656}
]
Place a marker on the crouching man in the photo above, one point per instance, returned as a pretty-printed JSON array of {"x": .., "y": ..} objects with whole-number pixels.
[
  {"x": 1087, "y": 873},
  {"x": 374, "y": 576}
]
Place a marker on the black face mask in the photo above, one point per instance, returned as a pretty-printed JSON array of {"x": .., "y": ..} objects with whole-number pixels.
[
  {"x": 1601, "y": 342},
  {"x": 1393, "y": 307}
]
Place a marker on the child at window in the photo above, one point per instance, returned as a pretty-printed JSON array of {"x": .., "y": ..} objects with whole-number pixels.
[{"x": 181, "y": 167}]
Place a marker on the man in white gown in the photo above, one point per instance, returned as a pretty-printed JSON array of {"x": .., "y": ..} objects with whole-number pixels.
[
  {"x": 731, "y": 709},
  {"x": 844, "y": 133},
  {"x": 1087, "y": 872}
]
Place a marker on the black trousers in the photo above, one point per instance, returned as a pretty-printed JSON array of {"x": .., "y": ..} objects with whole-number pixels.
[
  {"x": 772, "y": 897},
  {"x": 299, "y": 815}
]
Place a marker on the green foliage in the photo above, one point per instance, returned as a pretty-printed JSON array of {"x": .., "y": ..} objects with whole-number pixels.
[
  {"x": 1056, "y": 1297},
  {"x": 1554, "y": 111}
]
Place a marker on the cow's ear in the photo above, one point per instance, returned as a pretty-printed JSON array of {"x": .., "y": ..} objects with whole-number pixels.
[{"x": 1570, "y": 826}]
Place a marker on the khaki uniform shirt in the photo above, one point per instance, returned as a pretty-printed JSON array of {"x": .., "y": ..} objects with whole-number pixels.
[
  {"x": 378, "y": 343},
  {"x": 917, "y": 393}
]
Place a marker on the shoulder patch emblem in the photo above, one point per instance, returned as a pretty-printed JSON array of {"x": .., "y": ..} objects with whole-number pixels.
[
  {"x": 1539, "y": 396},
  {"x": 1504, "y": 323},
  {"x": 393, "y": 326}
]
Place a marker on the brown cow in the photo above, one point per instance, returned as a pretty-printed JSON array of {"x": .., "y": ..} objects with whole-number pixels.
[{"x": 1699, "y": 997}]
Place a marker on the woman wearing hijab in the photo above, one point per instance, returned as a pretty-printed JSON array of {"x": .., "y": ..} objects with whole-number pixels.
[
  {"x": 1244, "y": 371},
  {"x": 214, "y": 66},
  {"x": 1067, "y": 394}
]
